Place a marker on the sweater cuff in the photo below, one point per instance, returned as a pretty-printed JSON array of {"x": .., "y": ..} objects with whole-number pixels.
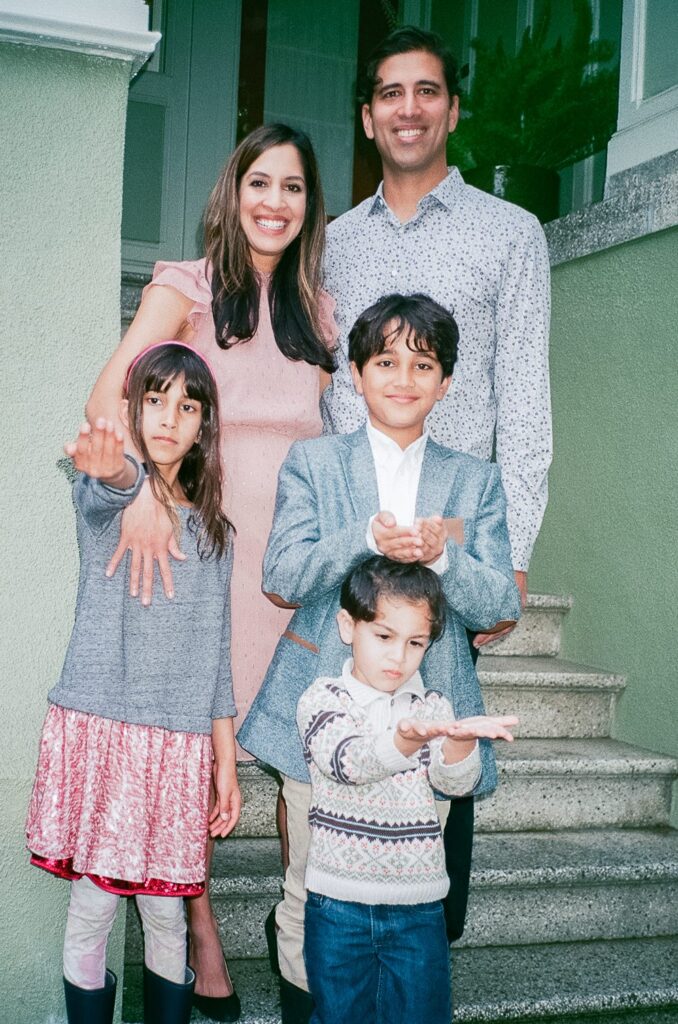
[
  {"x": 389, "y": 755},
  {"x": 134, "y": 488},
  {"x": 470, "y": 765}
]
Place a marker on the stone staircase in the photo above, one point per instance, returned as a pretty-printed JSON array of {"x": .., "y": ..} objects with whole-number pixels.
[{"x": 573, "y": 912}]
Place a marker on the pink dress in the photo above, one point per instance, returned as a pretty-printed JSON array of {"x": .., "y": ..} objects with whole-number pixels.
[{"x": 266, "y": 402}]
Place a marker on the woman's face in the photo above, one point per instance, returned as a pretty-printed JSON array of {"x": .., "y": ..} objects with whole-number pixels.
[{"x": 272, "y": 204}]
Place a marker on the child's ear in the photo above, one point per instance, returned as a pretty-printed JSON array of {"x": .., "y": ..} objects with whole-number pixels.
[
  {"x": 444, "y": 385},
  {"x": 357, "y": 378},
  {"x": 124, "y": 412},
  {"x": 346, "y": 625}
]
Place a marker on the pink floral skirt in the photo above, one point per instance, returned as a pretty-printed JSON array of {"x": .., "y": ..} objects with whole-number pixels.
[{"x": 126, "y": 805}]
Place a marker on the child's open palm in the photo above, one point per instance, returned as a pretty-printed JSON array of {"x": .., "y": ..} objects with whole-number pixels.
[
  {"x": 98, "y": 451},
  {"x": 493, "y": 727}
]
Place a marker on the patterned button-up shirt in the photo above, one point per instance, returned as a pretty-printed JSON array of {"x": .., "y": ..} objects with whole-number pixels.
[{"x": 486, "y": 261}]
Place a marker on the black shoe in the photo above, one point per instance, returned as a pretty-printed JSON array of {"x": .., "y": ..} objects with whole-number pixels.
[
  {"x": 167, "y": 1002},
  {"x": 271, "y": 933},
  {"x": 296, "y": 1005},
  {"x": 221, "y": 1008},
  {"x": 91, "y": 1005}
]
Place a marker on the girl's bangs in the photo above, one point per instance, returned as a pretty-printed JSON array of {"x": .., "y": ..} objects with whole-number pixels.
[{"x": 165, "y": 365}]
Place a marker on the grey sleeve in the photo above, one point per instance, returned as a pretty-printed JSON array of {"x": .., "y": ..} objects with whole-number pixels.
[
  {"x": 478, "y": 583},
  {"x": 223, "y": 705},
  {"x": 99, "y": 504},
  {"x": 300, "y": 565}
]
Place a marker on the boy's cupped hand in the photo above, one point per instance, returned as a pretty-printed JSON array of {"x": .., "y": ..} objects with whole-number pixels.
[
  {"x": 424, "y": 541},
  {"x": 399, "y": 543}
]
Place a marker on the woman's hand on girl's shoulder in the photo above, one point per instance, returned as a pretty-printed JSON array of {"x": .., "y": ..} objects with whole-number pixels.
[
  {"x": 99, "y": 452},
  {"x": 228, "y": 801},
  {"x": 146, "y": 530}
]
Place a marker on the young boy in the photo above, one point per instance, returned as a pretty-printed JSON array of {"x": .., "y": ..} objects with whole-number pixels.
[
  {"x": 377, "y": 743},
  {"x": 387, "y": 488}
]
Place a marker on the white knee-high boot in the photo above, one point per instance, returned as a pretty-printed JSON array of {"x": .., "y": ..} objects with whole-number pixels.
[
  {"x": 91, "y": 914},
  {"x": 164, "y": 923}
]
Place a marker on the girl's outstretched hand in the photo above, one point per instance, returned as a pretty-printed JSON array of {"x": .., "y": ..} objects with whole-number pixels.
[
  {"x": 226, "y": 811},
  {"x": 99, "y": 452}
]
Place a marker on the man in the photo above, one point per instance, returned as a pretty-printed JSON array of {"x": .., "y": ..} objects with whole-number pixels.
[{"x": 483, "y": 259}]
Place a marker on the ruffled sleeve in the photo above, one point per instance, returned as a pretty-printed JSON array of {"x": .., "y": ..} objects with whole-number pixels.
[
  {"x": 189, "y": 278},
  {"x": 328, "y": 325}
]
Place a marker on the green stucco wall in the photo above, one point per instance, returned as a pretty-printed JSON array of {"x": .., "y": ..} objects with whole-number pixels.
[
  {"x": 610, "y": 536},
  {"x": 62, "y": 130}
]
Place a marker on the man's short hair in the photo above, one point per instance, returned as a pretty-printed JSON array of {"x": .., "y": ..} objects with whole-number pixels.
[
  {"x": 407, "y": 40},
  {"x": 380, "y": 577},
  {"x": 430, "y": 327}
]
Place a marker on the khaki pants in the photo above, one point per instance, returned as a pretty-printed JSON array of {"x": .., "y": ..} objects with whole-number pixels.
[{"x": 289, "y": 914}]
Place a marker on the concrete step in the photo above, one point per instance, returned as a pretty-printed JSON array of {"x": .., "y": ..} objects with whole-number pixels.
[
  {"x": 578, "y": 783},
  {"x": 538, "y": 631},
  {"x": 552, "y": 697},
  {"x": 529, "y": 887},
  {"x": 545, "y": 784},
  {"x": 520, "y": 983},
  {"x": 570, "y": 982},
  {"x": 538, "y": 887}
]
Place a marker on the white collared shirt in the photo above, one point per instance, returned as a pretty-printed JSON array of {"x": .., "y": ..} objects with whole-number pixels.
[
  {"x": 398, "y": 472},
  {"x": 384, "y": 710}
]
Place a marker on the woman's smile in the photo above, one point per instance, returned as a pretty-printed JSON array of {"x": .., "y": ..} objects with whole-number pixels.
[{"x": 272, "y": 204}]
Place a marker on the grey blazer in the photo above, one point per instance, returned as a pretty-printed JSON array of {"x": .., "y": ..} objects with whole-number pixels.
[{"x": 327, "y": 492}]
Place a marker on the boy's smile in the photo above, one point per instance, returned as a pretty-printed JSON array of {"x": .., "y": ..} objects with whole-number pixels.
[
  {"x": 388, "y": 651},
  {"x": 400, "y": 386}
]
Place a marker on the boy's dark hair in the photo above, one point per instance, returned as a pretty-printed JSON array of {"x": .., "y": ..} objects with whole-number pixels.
[
  {"x": 407, "y": 40},
  {"x": 431, "y": 329},
  {"x": 380, "y": 577}
]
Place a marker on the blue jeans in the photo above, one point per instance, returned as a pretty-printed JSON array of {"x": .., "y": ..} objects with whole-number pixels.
[{"x": 377, "y": 964}]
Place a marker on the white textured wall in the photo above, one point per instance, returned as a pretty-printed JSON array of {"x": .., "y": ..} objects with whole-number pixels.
[{"x": 62, "y": 131}]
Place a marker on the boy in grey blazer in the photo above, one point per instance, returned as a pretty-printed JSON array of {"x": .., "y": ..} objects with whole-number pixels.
[{"x": 386, "y": 488}]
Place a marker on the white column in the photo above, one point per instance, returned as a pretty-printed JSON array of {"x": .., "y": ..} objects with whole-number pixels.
[{"x": 107, "y": 28}]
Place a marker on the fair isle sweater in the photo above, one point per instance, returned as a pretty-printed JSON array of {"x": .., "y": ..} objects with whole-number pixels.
[{"x": 375, "y": 834}]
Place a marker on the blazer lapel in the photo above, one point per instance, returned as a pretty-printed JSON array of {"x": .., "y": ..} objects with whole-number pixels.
[
  {"x": 435, "y": 482},
  {"x": 360, "y": 474}
]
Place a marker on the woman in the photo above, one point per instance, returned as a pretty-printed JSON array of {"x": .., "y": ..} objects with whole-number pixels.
[{"x": 254, "y": 307}]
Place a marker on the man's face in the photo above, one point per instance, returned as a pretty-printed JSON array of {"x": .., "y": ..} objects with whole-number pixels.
[{"x": 411, "y": 113}]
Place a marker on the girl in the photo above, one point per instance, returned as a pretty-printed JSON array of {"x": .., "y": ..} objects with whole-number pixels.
[
  {"x": 255, "y": 308},
  {"x": 145, "y": 699}
]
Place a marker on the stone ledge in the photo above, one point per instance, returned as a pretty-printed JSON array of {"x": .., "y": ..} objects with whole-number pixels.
[{"x": 639, "y": 202}]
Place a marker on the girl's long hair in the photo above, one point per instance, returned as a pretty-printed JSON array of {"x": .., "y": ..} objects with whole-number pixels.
[
  {"x": 200, "y": 474},
  {"x": 295, "y": 282}
]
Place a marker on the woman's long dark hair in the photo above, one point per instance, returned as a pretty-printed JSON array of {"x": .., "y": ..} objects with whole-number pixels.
[
  {"x": 296, "y": 281},
  {"x": 200, "y": 474}
]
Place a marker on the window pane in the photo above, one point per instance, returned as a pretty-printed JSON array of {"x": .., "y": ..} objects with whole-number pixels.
[{"x": 661, "y": 47}]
